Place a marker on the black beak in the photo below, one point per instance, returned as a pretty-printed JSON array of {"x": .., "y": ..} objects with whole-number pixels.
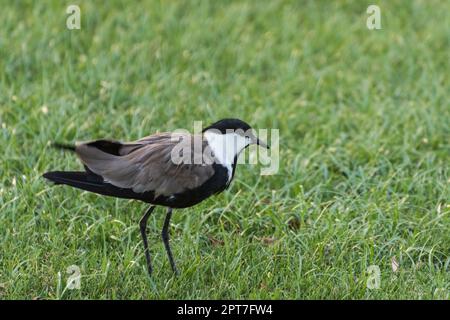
[{"x": 262, "y": 143}]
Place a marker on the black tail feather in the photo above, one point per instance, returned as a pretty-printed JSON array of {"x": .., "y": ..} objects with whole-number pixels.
[
  {"x": 93, "y": 183},
  {"x": 73, "y": 178}
]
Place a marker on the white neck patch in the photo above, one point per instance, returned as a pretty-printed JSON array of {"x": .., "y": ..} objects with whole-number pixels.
[{"x": 226, "y": 147}]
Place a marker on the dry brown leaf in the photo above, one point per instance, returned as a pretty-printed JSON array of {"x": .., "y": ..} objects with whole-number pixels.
[
  {"x": 267, "y": 240},
  {"x": 215, "y": 242},
  {"x": 394, "y": 264}
]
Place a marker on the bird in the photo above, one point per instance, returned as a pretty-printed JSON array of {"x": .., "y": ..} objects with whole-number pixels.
[{"x": 150, "y": 170}]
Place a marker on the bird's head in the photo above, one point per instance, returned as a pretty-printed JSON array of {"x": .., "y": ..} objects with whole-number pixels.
[{"x": 233, "y": 133}]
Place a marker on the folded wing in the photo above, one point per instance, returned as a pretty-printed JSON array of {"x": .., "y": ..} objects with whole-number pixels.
[{"x": 147, "y": 164}]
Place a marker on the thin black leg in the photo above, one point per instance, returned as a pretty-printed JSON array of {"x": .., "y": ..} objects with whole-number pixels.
[
  {"x": 165, "y": 237},
  {"x": 143, "y": 227}
]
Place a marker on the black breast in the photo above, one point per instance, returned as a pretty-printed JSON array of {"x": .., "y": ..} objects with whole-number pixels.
[{"x": 216, "y": 184}]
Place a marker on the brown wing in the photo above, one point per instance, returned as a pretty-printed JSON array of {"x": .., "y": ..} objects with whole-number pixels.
[{"x": 147, "y": 164}]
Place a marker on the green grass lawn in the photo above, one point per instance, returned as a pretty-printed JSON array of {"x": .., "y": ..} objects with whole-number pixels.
[{"x": 364, "y": 120}]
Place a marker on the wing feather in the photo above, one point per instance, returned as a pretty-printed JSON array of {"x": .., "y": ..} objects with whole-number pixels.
[{"x": 146, "y": 165}]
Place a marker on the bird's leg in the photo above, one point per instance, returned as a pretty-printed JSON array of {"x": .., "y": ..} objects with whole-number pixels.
[
  {"x": 143, "y": 227},
  {"x": 165, "y": 237}
]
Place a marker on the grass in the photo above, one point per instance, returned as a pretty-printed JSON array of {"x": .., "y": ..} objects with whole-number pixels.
[{"x": 364, "y": 126}]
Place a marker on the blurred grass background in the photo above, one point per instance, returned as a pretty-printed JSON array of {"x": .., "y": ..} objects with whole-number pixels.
[{"x": 364, "y": 126}]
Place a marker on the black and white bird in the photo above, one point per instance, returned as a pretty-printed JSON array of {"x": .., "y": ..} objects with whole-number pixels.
[{"x": 145, "y": 170}]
